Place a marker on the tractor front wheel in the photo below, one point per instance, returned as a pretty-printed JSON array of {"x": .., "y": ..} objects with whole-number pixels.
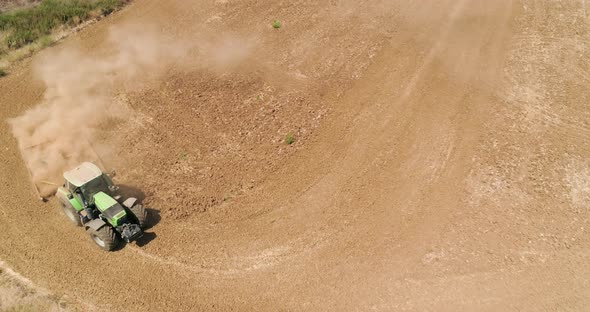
[
  {"x": 140, "y": 215},
  {"x": 70, "y": 212},
  {"x": 104, "y": 238}
]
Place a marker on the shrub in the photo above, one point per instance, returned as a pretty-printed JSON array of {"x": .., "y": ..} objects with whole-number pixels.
[
  {"x": 289, "y": 139},
  {"x": 20, "y": 38},
  {"x": 276, "y": 24}
]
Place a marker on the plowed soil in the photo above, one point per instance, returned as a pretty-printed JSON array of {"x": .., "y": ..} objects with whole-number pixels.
[{"x": 440, "y": 162}]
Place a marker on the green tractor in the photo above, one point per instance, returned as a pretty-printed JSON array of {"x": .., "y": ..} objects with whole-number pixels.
[{"x": 89, "y": 199}]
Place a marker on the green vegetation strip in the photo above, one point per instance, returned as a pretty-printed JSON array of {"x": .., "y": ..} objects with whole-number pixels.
[{"x": 22, "y": 27}]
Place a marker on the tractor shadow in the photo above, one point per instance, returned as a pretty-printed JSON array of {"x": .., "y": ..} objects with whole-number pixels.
[
  {"x": 127, "y": 191},
  {"x": 154, "y": 217},
  {"x": 145, "y": 239}
]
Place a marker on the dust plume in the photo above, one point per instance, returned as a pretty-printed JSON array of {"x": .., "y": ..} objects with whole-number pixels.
[
  {"x": 55, "y": 135},
  {"x": 224, "y": 52}
]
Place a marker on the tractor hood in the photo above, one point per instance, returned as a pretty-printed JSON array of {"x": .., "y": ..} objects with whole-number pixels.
[
  {"x": 104, "y": 201},
  {"x": 110, "y": 208}
]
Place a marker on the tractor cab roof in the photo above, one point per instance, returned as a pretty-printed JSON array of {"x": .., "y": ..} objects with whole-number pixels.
[{"x": 82, "y": 174}]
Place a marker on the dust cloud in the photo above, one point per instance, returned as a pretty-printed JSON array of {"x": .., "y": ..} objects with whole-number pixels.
[
  {"x": 55, "y": 135},
  {"x": 224, "y": 53}
]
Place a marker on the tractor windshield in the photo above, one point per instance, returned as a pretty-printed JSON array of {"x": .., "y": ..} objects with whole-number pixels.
[{"x": 98, "y": 184}]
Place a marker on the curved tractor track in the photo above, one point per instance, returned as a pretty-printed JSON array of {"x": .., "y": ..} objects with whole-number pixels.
[{"x": 448, "y": 171}]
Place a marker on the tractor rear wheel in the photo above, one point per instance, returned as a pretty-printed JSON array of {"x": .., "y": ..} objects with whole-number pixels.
[
  {"x": 70, "y": 212},
  {"x": 104, "y": 238},
  {"x": 140, "y": 215}
]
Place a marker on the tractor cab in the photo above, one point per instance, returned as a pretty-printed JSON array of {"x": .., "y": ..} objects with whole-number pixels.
[{"x": 87, "y": 180}]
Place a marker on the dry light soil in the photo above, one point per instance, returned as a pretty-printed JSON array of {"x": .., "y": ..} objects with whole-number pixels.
[{"x": 440, "y": 162}]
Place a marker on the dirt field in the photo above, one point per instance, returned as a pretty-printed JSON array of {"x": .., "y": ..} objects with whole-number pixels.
[{"x": 440, "y": 160}]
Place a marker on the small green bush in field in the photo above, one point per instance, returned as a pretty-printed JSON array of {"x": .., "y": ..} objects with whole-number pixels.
[
  {"x": 276, "y": 24},
  {"x": 289, "y": 139}
]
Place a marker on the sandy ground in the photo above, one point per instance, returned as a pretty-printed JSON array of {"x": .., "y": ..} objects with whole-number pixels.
[
  {"x": 17, "y": 293},
  {"x": 440, "y": 163}
]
